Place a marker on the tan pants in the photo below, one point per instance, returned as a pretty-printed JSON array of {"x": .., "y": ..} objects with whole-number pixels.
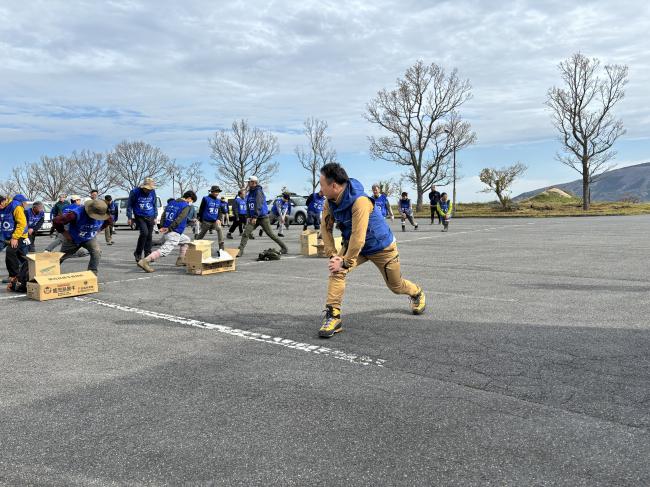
[{"x": 387, "y": 261}]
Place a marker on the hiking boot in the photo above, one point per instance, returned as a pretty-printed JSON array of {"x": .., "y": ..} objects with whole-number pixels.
[
  {"x": 144, "y": 265},
  {"x": 180, "y": 262},
  {"x": 137, "y": 258},
  {"x": 109, "y": 243},
  {"x": 331, "y": 322},
  {"x": 240, "y": 253},
  {"x": 418, "y": 303},
  {"x": 229, "y": 235},
  {"x": 416, "y": 227}
]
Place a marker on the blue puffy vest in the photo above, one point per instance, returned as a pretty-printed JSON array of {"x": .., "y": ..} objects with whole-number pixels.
[
  {"x": 241, "y": 205},
  {"x": 33, "y": 218},
  {"x": 84, "y": 228},
  {"x": 378, "y": 235},
  {"x": 225, "y": 208},
  {"x": 444, "y": 205},
  {"x": 381, "y": 203},
  {"x": 316, "y": 203},
  {"x": 405, "y": 206},
  {"x": 251, "y": 199},
  {"x": 279, "y": 201},
  {"x": 7, "y": 220},
  {"x": 211, "y": 208},
  {"x": 172, "y": 210},
  {"x": 145, "y": 204}
]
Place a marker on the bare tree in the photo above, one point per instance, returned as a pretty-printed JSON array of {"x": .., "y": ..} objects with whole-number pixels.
[
  {"x": 318, "y": 152},
  {"x": 131, "y": 162},
  {"x": 53, "y": 176},
  {"x": 582, "y": 113},
  {"x": 423, "y": 125},
  {"x": 388, "y": 186},
  {"x": 499, "y": 181},
  {"x": 92, "y": 171},
  {"x": 243, "y": 151},
  {"x": 189, "y": 177},
  {"x": 21, "y": 181}
]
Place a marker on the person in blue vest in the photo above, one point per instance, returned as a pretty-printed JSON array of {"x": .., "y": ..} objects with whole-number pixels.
[
  {"x": 79, "y": 225},
  {"x": 381, "y": 202},
  {"x": 13, "y": 225},
  {"x": 315, "y": 203},
  {"x": 406, "y": 211},
  {"x": 209, "y": 215},
  {"x": 173, "y": 221},
  {"x": 225, "y": 212},
  {"x": 445, "y": 208},
  {"x": 35, "y": 220},
  {"x": 258, "y": 216},
  {"x": 279, "y": 210},
  {"x": 366, "y": 237},
  {"x": 239, "y": 212},
  {"x": 114, "y": 212},
  {"x": 142, "y": 209}
]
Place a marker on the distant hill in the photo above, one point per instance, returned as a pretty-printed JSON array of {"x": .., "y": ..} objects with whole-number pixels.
[{"x": 615, "y": 185}]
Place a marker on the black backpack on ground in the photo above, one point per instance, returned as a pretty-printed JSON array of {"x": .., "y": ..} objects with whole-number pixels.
[{"x": 269, "y": 254}]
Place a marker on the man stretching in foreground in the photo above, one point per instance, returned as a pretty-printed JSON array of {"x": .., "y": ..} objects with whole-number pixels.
[{"x": 366, "y": 236}]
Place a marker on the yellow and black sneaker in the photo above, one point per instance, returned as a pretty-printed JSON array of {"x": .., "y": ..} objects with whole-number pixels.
[
  {"x": 418, "y": 303},
  {"x": 331, "y": 323}
]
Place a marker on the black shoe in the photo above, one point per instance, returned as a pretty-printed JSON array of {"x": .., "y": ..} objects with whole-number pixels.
[
  {"x": 403, "y": 228},
  {"x": 137, "y": 258},
  {"x": 252, "y": 237},
  {"x": 229, "y": 235},
  {"x": 416, "y": 227},
  {"x": 260, "y": 233},
  {"x": 284, "y": 251},
  {"x": 280, "y": 234}
]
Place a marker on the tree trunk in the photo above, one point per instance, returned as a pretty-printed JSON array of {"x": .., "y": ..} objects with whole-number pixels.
[
  {"x": 585, "y": 190},
  {"x": 418, "y": 206}
]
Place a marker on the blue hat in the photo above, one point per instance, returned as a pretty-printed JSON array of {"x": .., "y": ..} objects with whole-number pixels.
[{"x": 20, "y": 198}]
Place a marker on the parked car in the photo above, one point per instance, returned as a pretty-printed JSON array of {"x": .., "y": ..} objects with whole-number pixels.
[{"x": 122, "y": 203}]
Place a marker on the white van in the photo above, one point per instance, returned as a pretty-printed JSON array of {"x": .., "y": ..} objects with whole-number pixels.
[{"x": 122, "y": 203}]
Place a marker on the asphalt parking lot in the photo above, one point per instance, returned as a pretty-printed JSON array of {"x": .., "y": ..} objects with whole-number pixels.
[{"x": 531, "y": 366}]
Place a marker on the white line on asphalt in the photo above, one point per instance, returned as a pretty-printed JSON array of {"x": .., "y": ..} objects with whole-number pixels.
[
  {"x": 248, "y": 335},
  {"x": 14, "y": 297},
  {"x": 134, "y": 279},
  {"x": 447, "y": 235}
]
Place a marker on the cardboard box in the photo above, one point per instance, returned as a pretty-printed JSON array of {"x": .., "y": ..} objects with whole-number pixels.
[
  {"x": 308, "y": 239},
  {"x": 44, "y": 288},
  {"x": 320, "y": 246},
  {"x": 202, "y": 246},
  {"x": 198, "y": 264},
  {"x": 44, "y": 264}
]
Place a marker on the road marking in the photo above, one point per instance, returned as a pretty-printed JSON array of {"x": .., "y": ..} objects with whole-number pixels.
[
  {"x": 14, "y": 297},
  {"x": 462, "y": 232},
  {"x": 135, "y": 279},
  {"x": 248, "y": 335}
]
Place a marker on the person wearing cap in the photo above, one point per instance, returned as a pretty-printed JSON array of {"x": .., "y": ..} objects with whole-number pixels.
[
  {"x": 35, "y": 219},
  {"x": 173, "y": 223},
  {"x": 114, "y": 212},
  {"x": 381, "y": 202},
  {"x": 258, "y": 216},
  {"x": 141, "y": 209},
  {"x": 366, "y": 237},
  {"x": 406, "y": 211},
  {"x": 314, "y": 203},
  {"x": 79, "y": 226},
  {"x": 279, "y": 211},
  {"x": 13, "y": 225},
  {"x": 209, "y": 212},
  {"x": 239, "y": 212}
]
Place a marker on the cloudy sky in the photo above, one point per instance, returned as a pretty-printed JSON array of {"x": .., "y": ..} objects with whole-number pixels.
[{"x": 88, "y": 74}]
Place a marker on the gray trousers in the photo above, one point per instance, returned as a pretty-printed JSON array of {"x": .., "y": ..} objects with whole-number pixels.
[
  {"x": 205, "y": 226},
  {"x": 266, "y": 226},
  {"x": 71, "y": 248}
]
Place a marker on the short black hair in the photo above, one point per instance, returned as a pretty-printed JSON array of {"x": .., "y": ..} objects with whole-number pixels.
[
  {"x": 190, "y": 194},
  {"x": 108, "y": 197},
  {"x": 334, "y": 172},
  {"x": 405, "y": 193},
  {"x": 169, "y": 200},
  {"x": 2, "y": 198},
  {"x": 37, "y": 203},
  {"x": 94, "y": 191},
  {"x": 443, "y": 194}
]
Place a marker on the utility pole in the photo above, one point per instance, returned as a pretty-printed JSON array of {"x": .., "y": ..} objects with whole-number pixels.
[{"x": 453, "y": 200}]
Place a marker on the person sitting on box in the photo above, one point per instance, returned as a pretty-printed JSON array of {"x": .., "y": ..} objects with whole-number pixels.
[
  {"x": 174, "y": 221},
  {"x": 83, "y": 223}
]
